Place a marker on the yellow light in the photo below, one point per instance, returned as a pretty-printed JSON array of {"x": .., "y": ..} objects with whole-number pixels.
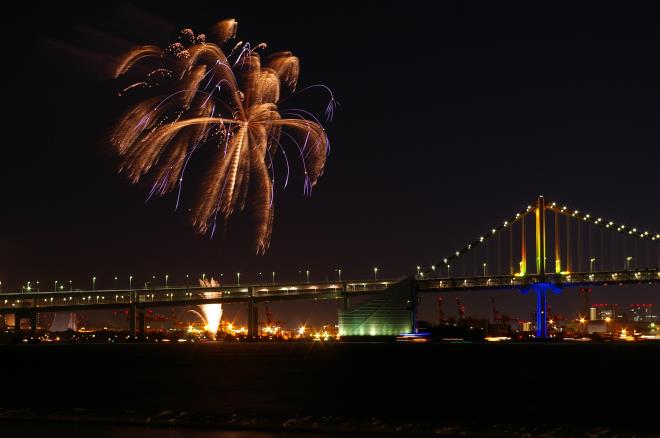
[{"x": 608, "y": 319}]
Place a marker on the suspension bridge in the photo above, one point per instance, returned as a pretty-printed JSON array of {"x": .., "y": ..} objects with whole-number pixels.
[
  {"x": 568, "y": 247},
  {"x": 545, "y": 247}
]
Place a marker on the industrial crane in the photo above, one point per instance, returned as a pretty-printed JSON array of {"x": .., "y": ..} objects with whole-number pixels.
[
  {"x": 461, "y": 309},
  {"x": 269, "y": 318},
  {"x": 496, "y": 315},
  {"x": 441, "y": 313}
]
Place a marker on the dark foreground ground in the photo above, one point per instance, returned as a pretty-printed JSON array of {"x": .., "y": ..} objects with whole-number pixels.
[{"x": 479, "y": 389}]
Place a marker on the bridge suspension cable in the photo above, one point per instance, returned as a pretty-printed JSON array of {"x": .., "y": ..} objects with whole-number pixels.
[{"x": 641, "y": 249}]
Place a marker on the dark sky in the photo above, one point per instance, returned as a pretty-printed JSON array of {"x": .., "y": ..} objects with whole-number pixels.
[{"x": 452, "y": 118}]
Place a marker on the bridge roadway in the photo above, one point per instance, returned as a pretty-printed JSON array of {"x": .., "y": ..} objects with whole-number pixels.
[
  {"x": 62, "y": 301},
  {"x": 76, "y": 300}
]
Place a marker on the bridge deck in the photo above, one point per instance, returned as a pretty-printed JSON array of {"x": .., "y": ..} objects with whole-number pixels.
[{"x": 183, "y": 296}]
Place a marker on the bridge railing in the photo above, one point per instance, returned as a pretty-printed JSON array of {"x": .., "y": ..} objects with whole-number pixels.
[
  {"x": 180, "y": 295},
  {"x": 514, "y": 282}
]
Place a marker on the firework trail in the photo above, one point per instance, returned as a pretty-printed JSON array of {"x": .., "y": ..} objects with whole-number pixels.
[{"x": 193, "y": 94}]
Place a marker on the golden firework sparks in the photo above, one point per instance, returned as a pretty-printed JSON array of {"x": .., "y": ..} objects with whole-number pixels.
[{"x": 192, "y": 94}]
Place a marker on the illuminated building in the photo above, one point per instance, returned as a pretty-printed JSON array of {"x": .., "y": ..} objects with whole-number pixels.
[
  {"x": 388, "y": 314},
  {"x": 603, "y": 311},
  {"x": 642, "y": 313}
]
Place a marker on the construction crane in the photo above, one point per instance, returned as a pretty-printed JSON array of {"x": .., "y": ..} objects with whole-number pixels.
[
  {"x": 496, "y": 315},
  {"x": 461, "y": 309},
  {"x": 269, "y": 318},
  {"x": 441, "y": 313},
  {"x": 586, "y": 303}
]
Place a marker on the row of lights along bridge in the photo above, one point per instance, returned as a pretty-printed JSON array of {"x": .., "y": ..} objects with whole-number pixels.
[
  {"x": 627, "y": 261},
  {"x": 58, "y": 285},
  {"x": 29, "y": 287}
]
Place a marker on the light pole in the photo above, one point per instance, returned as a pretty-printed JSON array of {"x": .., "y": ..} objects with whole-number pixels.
[
  {"x": 628, "y": 259},
  {"x": 339, "y": 274},
  {"x": 273, "y": 277},
  {"x": 448, "y": 271},
  {"x": 591, "y": 264},
  {"x": 203, "y": 277},
  {"x": 0, "y": 286},
  {"x": 418, "y": 269},
  {"x": 70, "y": 285},
  {"x": 28, "y": 288},
  {"x": 307, "y": 273},
  {"x": 260, "y": 277},
  {"x": 38, "y": 289},
  {"x": 55, "y": 288},
  {"x": 485, "y": 266},
  {"x": 166, "y": 278},
  {"x": 238, "y": 279},
  {"x": 375, "y": 274},
  {"x": 93, "y": 283},
  {"x": 130, "y": 282}
]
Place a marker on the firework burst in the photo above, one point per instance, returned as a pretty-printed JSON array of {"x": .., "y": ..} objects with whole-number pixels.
[{"x": 197, "y": 93}]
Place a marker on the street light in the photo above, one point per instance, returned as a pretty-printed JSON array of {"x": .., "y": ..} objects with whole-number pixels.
[
  {"x": 485, "y": 266},
  {"x": 28, "y": 288},
  {"x": 375, "y": 274},
  {"x": 203, "y": 277},
  {"x": 273, "y": 277},
  {"x": 93, "y": 283},
  {"x": 307, "y": 273},
  {"x": 591, "y": 264},
  {"x": 166, "y": 278},
  {"x": 338, "y": 274},
  {"x": 448, "y": 271},
  {"x": 130, "y": 282},
  {"x": 38, "y": 290},
  {"x": 628, "y": 259},
  {"x": 418, "y": 269},
  {"x": 55, "y": 289},
  {"x": 70, "y": 285},
  {"x": 238, "y": 278}
]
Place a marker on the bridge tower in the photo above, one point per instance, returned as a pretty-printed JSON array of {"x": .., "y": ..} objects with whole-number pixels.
[{"x": 541, "y": 288}]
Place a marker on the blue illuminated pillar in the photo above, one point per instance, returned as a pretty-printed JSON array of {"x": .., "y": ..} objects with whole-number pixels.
[{"x": 541, "y": 310}]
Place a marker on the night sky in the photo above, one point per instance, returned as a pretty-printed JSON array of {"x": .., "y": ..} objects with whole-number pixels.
[{"x": 451, "y": 118}]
